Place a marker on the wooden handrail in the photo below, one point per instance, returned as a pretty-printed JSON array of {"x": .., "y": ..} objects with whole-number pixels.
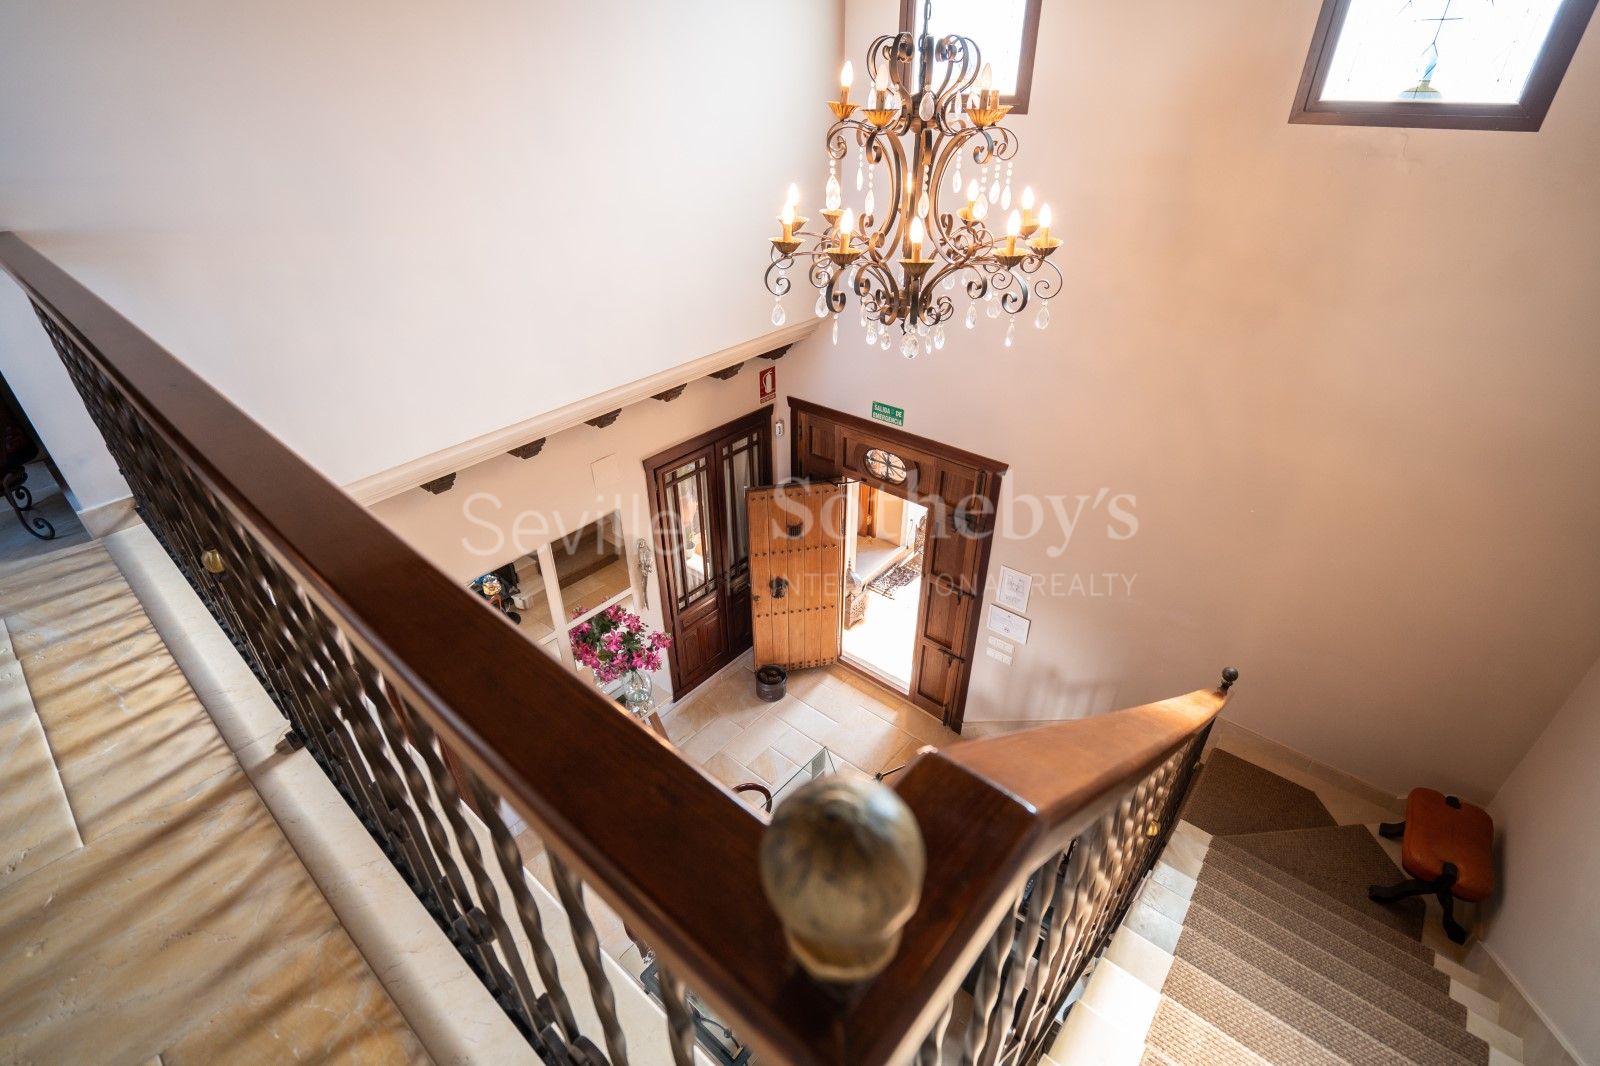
[{"x": 674, "y": 854}]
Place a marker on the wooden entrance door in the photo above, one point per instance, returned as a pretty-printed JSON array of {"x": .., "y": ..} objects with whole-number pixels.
[
  {"x": 703, "y": 544},
  {"x": 961, "y": 491},
  {"x": 797, "y": 538}
]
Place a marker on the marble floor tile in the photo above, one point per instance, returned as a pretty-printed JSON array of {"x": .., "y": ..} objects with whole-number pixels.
[
  {"x": 185, "y": 926},
  {"x": 728, "y": 731},
  {"x": 36, "y": 822},
  {"x": 127, "y": 733}
]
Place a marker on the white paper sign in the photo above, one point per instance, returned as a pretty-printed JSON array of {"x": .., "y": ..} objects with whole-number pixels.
[
  {"x": 1008, "y": 624},
  {"x": 1014, "y": 589}
]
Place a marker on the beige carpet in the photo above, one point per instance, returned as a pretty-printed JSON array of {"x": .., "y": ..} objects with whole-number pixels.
[
  {"x": 1232, "y": 796},
  {"x": 1340, "y": 862}
]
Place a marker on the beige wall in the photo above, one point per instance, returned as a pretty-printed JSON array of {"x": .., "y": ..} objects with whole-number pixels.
[
  {"x": 1546, "y": 930},
  {"x": 1348, "y": 376},
  {"x": 387, "y": 228},
  {"x": 507, "y": 506}
]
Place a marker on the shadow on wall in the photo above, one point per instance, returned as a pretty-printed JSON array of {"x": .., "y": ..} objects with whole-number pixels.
[{"x": 1042, "y": 697}]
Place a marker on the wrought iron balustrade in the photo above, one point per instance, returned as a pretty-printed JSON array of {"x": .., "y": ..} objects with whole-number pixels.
[{"x": 408, "y": 694}]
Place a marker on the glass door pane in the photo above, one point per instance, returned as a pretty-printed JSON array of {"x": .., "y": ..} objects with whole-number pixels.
[
  {"x": 688, "y": 494},
  {"x": 741, "y": 463}
]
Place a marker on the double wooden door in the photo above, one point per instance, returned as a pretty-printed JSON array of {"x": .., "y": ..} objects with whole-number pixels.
[
  {"x": 702, "y": 540},
  {"x": 961, "y": 492}
]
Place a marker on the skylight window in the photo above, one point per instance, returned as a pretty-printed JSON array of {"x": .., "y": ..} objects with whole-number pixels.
[
  {"x": 1006, "y": 32},
  {"x": 1461, "y": 64}
]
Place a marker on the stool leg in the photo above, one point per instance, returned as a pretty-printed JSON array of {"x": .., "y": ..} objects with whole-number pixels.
[
  {"x": 1452, "y": 928},
  {"x": 1392, "y": 830},
  {"x": 1403, "y": 890}
]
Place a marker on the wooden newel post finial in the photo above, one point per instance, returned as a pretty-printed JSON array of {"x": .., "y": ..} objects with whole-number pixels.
[
  {"x": 1229, "y": 676},
  {"x": 842, "y": 865}
]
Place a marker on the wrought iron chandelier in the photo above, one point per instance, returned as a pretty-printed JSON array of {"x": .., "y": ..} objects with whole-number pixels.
[{"x": 942, "y": 135}]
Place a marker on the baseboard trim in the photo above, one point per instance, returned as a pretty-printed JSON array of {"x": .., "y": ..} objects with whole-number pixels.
[
  {"x": 380, "y": 486},
  {"x": 108, "y": 518}
]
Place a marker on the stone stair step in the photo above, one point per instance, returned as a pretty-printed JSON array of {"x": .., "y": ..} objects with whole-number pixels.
[{"x": 1090, "y": 1039}]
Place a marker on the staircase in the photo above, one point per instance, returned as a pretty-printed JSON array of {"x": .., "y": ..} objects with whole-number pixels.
[{"x": 1254, "y": 943}]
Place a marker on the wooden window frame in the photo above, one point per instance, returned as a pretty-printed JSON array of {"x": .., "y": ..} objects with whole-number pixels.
[
  {"x": 1526, "y": 116},
  {"x": 1030, "y": 44}
]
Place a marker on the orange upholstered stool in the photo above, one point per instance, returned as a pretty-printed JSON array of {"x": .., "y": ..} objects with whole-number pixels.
[{"x": 1447, "y": 847}]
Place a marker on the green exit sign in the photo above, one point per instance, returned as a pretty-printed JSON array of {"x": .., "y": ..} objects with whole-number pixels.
[{"x": 895, "y": 416}]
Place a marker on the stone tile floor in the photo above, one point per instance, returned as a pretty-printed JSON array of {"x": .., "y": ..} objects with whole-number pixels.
[{"x": 726, "y": 729}]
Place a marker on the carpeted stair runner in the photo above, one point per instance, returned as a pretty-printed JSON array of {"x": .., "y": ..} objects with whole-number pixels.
[
  {"x": 1337, "y": 864},
  {"x": 1236, "y": 1016},
  {"x": 1262, "y": 972},
  {"x": 1188, "y": 1038},
  {"x": 1424, "y": 1002},
  {"x": 1272, "y": 952},
  {"x": 1339, "y": 934}
]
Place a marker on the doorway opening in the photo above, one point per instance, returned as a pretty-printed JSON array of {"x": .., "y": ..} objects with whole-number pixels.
[
  {"x": 883, "y": 570},
  {"x": 803, "y": 585}
]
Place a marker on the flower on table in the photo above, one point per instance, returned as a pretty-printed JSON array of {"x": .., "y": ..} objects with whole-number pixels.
[{"x": 617, "y": 642}]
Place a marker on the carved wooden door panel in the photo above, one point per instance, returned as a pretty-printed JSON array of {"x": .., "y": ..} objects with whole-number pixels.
[
  {"x": 958, "y": 531},
  {"x": 797, "y": 541}
]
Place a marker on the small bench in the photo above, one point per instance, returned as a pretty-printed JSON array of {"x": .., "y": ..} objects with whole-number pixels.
[{"x": 1448, "y": 849}]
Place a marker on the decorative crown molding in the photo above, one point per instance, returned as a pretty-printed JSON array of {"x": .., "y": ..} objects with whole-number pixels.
[{"x": 409, "y": 475}]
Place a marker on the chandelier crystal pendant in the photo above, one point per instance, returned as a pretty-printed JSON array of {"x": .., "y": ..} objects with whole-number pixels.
[{"x": 925, "y": 139}]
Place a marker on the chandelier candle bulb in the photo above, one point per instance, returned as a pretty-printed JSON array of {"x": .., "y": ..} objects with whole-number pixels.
[
  {"x": 969, "y": 214},
  {"x": 1030, "y": 221},
  {"x": 845, "y": 254},
  {"x": 791, "y": 205},
  {"x": 1043, "y": 244},
  {"x": 1011, "y": 257},
  {"x": 842, "y": 108},
  {"x": 787, "y": 243}
]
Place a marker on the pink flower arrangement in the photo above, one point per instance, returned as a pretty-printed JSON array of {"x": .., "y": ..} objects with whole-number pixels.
[{"x": 616, "y": 642}]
